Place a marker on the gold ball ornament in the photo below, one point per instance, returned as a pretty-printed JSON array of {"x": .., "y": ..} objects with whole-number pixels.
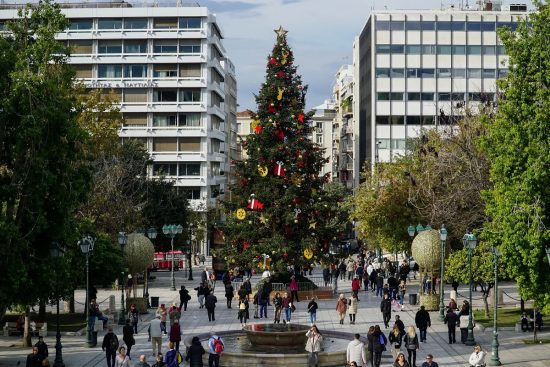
[
  {"x": 262, "y": 170},
  {"x": 240, "y": 213},
  {"x": 308, "y": 253},
  {"x": 254, "y": 124},
  {"x": 296, "y": 179}
]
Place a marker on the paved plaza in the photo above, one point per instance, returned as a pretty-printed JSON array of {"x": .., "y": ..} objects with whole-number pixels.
[{"x": 513, "y": 352}]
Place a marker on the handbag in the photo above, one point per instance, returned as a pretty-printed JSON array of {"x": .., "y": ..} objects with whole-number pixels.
[{"x": 292, "y": 307}]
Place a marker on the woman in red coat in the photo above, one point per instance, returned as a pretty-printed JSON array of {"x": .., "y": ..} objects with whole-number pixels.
[{"x": 175, "y": 334}]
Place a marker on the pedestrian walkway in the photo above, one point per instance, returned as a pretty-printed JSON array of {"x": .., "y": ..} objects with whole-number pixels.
[{"x": 513, "y": 352}]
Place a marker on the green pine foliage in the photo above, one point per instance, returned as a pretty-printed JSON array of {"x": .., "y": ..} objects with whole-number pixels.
[
  {"x": 288, "y": 213},
  {"x": 518, "y": 145}
]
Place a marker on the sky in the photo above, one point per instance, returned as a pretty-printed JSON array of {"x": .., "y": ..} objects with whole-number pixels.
[{"x": 320, "y": 33}]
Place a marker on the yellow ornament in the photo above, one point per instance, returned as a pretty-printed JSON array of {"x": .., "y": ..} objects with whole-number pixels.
[
  {"x": 284, "y": 55},
  {"x": 296, "y": 179},
  {"x": 240, "y": 214},
  {"x": 262, "y": 170},
  {"x": 308, "y": 253},
  {"x": 312, "y": 225},
  {"x": 280, "y": 94},
  {"x": 254, "y": 124},
  {"x": 263, "y": 219}
]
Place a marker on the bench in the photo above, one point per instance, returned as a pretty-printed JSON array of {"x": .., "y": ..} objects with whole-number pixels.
[
  {"x": 38, "y": 329},
  {"x": 544, "y": 327},
  {"x": 10, "y": 328}
]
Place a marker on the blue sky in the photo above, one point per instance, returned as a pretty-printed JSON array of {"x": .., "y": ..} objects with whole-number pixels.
[{"x": 321, "y": 34}]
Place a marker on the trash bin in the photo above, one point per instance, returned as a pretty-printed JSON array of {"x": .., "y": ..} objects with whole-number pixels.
[
  {"x": 154, "y": 302},
  {"x": 412, "y": 298}
]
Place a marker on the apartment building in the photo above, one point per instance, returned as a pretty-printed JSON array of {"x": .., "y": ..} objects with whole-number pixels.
[
  {"x": 326, "y": 132},
  {"x": 421, "y": 69},
  {"x": 176, "y": 86}
]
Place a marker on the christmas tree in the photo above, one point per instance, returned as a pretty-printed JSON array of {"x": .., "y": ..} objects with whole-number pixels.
[{"x": 280, "y": 206}]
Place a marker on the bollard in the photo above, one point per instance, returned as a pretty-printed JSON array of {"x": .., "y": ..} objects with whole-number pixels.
[{"x": 112, "y": 304}]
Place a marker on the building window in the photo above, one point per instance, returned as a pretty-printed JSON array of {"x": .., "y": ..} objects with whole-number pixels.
[
  {"x": 443, "y": 26},
  {"x": 215, "y": 168},
  {"x": 397, "y": 49},
  {"x": 319, "y": 139},
  {"x": 382, "y": 120},
  {"x": 192, "y": 193},
  {"x": 108, "y": 23},
  {"x": 190, "y": 70},
  {"x": 165, "y": 47},
  {"x": 444, "y": 96},
  {"x": 459, "y": 50},
  {"x": 137, "y": 95},
  {"x": 413, "y": 49},
  {"x": 135, "y": 71},
  {"x": 413, "y": 120},
  {"x": 83, "y": 71},
  {"x": 458, "y": 25},
  {"x": 215, "y": 122},
  {"x": 190, "y": 169},
  {"x": 444, "y": 49},
  {"x": 488, "y": 26},
  {"x": 109, "y": 47},
  {"x": 135, "y": 23},
  {"x": 80, "y": 24},
  {"x": 383, "y": 96},
  {"x": 489, "y": 50},
  {"x": 135, "y": 119},
  {"x": 444, "y": 73},
  {"x": 190, "y": 95},
  {"x": 474, "y": 73},
  {"x": 165, "y": 144},
  {"x": 427, "y": 120},
  {"x": 383, "y": 144},
  {"x": 501, "y": 50},
  {"x": 190, "y": 47},
  {"x": 474, "y": 50},
  {"x": 459, "y": 73},
  {"x": 135, "y": 47},
  {"x": 190, "y": 119},
  {"x": 215, "y": 146},
  {"x": 382, "y": 25},
  {"x": 382, "y": 72},
  {"x": 427, "y": 73},
  {"x": 428, "y": 25},
  {"x": 473, "y": 26},
  {"x": 502, "y": 73},
  {"x": 397, "y": 73},
  {"x": 412, "y": 96},
  {"x": 165, "y": 23},
  {"x": 488, "y": 73},
  {"x": 190, "y": 23},
  {"x": 165, "y": 169},
  {"x": 165, "y": 95},
  {"x": 80, "y": 47},
  {"x": 215, "y": 99},
  {"x": 190, "y": 144},
  {"x": 164, "y": 120},
  {"x": 109, "y": 71},
  {"x": 457, "y": 96},
  {"x": 397, "y": 25},
  {"x": 397, "y": 120},
  {"x": 165, "y": 71},
  {"x": 382, "y": 49},
  {"x": 398, "y": 144},
  {"x": 414, "y": 25},
  {"x": 427, "y": 96}
]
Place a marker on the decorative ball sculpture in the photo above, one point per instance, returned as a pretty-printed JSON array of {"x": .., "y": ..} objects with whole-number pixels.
[
  {"x": 138, "y": 253},
  {"x": 426, "y": 249}
]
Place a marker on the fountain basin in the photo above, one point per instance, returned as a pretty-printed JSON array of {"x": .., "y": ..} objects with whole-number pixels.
[{"x": 280, "y": 335}]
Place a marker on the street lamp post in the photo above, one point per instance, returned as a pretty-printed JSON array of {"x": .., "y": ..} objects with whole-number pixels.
[
  {"x": 190, "y": 254},
  {"x": 172, "y": 230},
  {"x": 495, "y": 360},
  {"x": 122, "y": 240},
  {"x": 443, "y": 238},
  {"x": 469, "y": 241},
  {"x": 152, "y": 234},
  {"x": 86, "y": 246},
  {"x": 57, "y": 251}
]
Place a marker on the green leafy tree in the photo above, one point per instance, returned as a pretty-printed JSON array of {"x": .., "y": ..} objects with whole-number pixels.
[
  {"x": 518, "y": 145},
  {"x": 271, "y": 212}
]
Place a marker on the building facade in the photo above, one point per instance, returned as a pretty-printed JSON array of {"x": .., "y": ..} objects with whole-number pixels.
[
  {"x": 421, "y": 69},
  {"x": 176, "y": 86},
  {"x": 325, "y": 132}
]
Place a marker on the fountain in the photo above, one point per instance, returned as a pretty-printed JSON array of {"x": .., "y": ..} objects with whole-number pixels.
[{"x": 277, "y": 345}]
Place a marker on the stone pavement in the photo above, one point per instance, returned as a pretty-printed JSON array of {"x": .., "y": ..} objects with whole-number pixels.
[{"x": 513, "y": 352}]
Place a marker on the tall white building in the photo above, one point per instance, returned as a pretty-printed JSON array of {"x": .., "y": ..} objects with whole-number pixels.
[
  {"x": 325, "y": 132},
  {"x": 420, "y": 69},
  {"x": 177, "y": 88}
]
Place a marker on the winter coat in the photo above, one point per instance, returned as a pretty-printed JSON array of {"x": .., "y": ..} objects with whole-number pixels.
[
  {"x": 376, "y": 346},
  {"x": 128, "y": 335},
  {"x": 477, "y": 359},
  {"x": 422, "y": 319},
  {"x": 313, "y": 343},
  {"x": 312, "y": 306},
  {"x": 385, "y": 305},
  {"x": 175, "y": 333},
  {"x": 229, "y": 291},
  {"x": 392, "y": 282},
  {"x": 398, "y": 339},
  {"x": 356, "y": 352},
  {"x": 352, "y": 306},
  {"x": 293, "y": 285},
  {"x": 411, "y": 343},
  {"x": 355, "y": 284},
  {"x": 286, "y": 302},
  {"x": 210, "y": 301},
  {"x": 341, "y": 305},
  {"x": 194, "y": 355},
  {"x": 379, "y": 281},
  {"x": 451, "y": 319}
]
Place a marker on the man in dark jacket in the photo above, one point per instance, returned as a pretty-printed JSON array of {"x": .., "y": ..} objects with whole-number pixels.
[
  {"x": 379, "y": 284},
  {"x": 210, "y": 304},
  {"x": 385, "y": 307},
  {"x": 42, "y": 348},
  {"x": 422, "y": 321},
  {"x": 372, "y": 278},
  {"x": 110, "y": 346},
  {"x": 400, "y": 324},
  {"x": 451, "y": 320},
  {"x": 33, "y": 360},
  {"x": 392, "y": 283}
]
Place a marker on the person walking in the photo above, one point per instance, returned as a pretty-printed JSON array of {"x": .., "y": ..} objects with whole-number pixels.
[
  {"x": 210, "y": 304},
  {"x": 175, "y": 334},
  {"x": 263, "y": 300},
  {"x": 356, "y": 287},
  {"x": 352, "y": 310},
  {"x": 313, "y": 345},
  {"x": 400, "y": 361},
  {"x": 429, "y": 362},
  {"x": 184, "y": 297},
  {"x": 195, "y": 353},
  {"x": 395, "y": 338},
  {"x": 33, "y": 359},
  {"x": 401, "y": 289},
  {"x": 422, "y": 321},
  {"x": 129, "y": 285},
  {"x": 412, "y": 345},
  {"x": 341, "y": 307},
  {"x": 133, "y": 315},
  {"x": 128, "y": 337},
  {"x": 243, "y": 311},
  {"x": 278, "y": 307},
  {"x": 370, "y": 342},
  {"x": 142, "y": 362},
  {"x": 293, "y": 289},
  {"x": 400, "y": 324},
  {"x": 173, "y": 314},
  {"x": 229, "y": 294},
  {"x": 161, "y": 311},
  {"x": 312, "y": 310},
  {"x": 451, "y": 320},
  {"x": 42, "y": 348},
  {"x": 122, "y": 360},
  {"x": 159, "y": 361},
  {"x": 350, "y": 268},
  {"x": 355, "y": 352},
  {"x": 287, "y": 304},
  {"x": 379, "y": 342},
  {"x": 110, "y": 346},
  {"x": 477, "y": 358},
  {"x": 342, "y": 269},
  {"x": 201, "y": 293},
  {"x": 379, "y": 283},
  {"x": 385, "y": 308},
  {"x": 155, "y": 332},
  {"x": 216, "y": 347}
]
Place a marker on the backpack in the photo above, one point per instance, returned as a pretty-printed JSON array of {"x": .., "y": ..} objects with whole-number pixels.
[
  {"x": 381, "y": 339},
  {"x": 242, "y": 306},
  {"x": 113, "y": 343},
  {"x": 218, "y": 346},
  {"x": 179, "y": 357}
]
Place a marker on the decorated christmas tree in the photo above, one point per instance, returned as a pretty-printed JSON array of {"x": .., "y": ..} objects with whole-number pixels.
[{"x": 280, "y": 205}]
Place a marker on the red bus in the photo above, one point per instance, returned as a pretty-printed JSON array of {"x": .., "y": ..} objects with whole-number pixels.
[{"x": 163, "y": 260}]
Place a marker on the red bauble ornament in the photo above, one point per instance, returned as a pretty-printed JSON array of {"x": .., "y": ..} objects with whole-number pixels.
[
  {"x": 285, "y": 255},
  {"x": 246, "y": 245},
  {"x": 258, "y": 129},
  {"x": 271, "y": 108},
  {"x": 273, "y": 61},
  {"x": 279, "y": 134},
  {"x": 281, "y": 74},
  {"x": 301, "y": 117},
  {"x": 279, "y": 169}
]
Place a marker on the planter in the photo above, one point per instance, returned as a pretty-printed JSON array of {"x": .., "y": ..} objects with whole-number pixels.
[
  {"x": 430, "y": 301},
  {"x": 141, "y": 304}
]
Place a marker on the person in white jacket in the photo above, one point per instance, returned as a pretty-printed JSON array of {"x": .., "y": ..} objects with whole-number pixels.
[
  {"x": 477, "y": 358},
  {"x": 313, "y": 345},
  {"x": 356, "y": 352}
]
